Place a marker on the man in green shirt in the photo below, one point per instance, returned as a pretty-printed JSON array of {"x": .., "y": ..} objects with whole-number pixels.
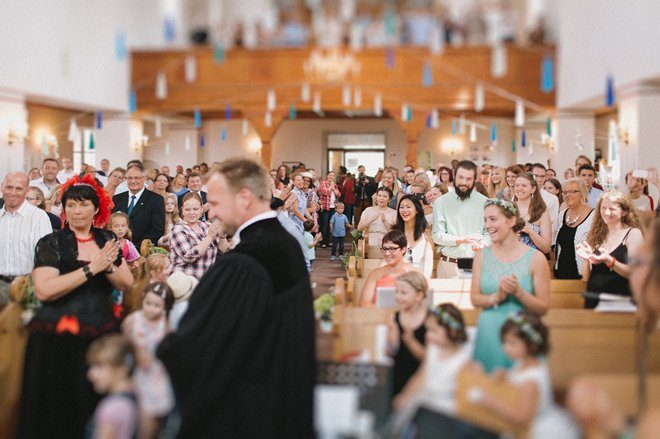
[{"x": 458, "y": 221}]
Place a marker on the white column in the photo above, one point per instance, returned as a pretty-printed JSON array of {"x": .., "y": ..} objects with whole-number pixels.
[
  {"x": 573, "y": 135},
  {"x": 119, "y": 140},
  {"x": 13, "y": 131},
  {"x": 639, "y": 108}
]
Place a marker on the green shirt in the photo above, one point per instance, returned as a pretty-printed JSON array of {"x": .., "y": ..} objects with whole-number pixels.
[{"x": 453, "y": 219}]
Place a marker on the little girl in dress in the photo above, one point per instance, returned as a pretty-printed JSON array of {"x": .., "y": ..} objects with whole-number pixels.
[
  {"x": 434, "y": 384},
  {"x": 111, "y": 360},
  {"x": 525, "y": 340},
  {"x": 119, "y": 225},
  {"x": 146, "y": 328}
]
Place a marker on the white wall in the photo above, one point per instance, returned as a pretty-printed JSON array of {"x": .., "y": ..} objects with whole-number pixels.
[
  {"x": 601, "y": 37},
  {"x": 176, "y": 136},
  {"x": 235, "y": 143},
  {"x": 64, "y": 51},
  {"x": 13, "y": 114}
]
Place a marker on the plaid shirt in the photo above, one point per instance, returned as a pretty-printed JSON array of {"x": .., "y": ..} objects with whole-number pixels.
[
  {"x": 324, "y": 195},
  {"x": 184, "y": 249}
]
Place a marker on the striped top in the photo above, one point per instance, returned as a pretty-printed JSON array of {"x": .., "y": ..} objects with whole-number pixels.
[{"x": 19, "y": 233}]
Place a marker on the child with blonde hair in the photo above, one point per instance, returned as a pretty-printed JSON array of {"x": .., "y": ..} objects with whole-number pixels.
[
  {"x": 118, "y": 224},
  {"x": 156, "y": 267}
]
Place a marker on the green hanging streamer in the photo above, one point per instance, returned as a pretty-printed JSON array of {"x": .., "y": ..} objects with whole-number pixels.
[
  {"x": 292, "y": 112},
  {"x": 92, "y": 144},
  {"x": 513, "y": 145},
  {"x": 548, "y": 126}
]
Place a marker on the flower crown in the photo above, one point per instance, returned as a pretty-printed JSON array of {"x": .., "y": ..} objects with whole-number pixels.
[
  {"x": 527, "y": 329},
  {"x": 506, "y": 205},
  {"x": 446, "y": 318}
]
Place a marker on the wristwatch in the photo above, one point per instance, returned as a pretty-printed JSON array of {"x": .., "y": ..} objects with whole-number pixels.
[{"x": 88, "y": 272}]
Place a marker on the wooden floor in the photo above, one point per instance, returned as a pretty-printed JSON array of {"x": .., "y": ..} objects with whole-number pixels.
[{"x": 323, "y": 277}]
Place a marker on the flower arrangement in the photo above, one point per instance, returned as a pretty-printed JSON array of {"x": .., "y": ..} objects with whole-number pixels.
[{"x": 324, "y": 306}]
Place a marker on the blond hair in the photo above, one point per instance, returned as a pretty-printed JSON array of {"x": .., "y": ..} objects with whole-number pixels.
[
  {"x": 113, "y": 349},
  {"x": 599, "y": 230},
  {"x": 582, "y": 187},
  {"x": 493, "y": 188},
  {"x": 416, "y": 280},
  {"x": 153, "y": 263},
  {"x": 115, "y": 215},
  {"x": 241, "y": 173}
]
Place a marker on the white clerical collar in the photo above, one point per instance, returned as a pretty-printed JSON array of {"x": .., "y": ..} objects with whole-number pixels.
[{"x": 262, "y": 216}]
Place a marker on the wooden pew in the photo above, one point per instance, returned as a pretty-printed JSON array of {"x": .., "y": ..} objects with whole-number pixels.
[{"x": 622, "y": 389}]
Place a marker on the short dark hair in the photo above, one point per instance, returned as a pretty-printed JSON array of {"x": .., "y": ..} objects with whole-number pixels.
[
  {"x": 586, "y": 167},
  {"x": 162, "y": 290},
  {"x": 456, "y": 335},
  {"x": 385, "y": 189},
  {"x": 539, "y": 165},
  {"x": 80, "y": 192},
  {"x": 533, "y": 323},
  {"x": 469, "y": 165},
  {"x": 193, "y": 174},
  {"x": 308, "y": 225},
  {"x": 396, "y": 237},
  {"x": 49, "y": 159}
]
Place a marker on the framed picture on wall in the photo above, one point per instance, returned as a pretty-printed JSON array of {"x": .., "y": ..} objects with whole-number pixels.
[{"x": 291, "y": 165}]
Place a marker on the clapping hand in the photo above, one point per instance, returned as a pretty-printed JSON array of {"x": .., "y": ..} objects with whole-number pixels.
[
  {"x": 510, "y": 285},
  {"x": 104, "y": 258},
  {"x": 214, "y": 229},
  {"x": 585, "y": 251},
  {"x": 284, "y": 194}
]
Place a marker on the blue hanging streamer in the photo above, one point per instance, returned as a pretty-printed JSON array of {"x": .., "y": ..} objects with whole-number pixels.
[
  {"x": 132, "y": 102},
  {"x": 547, "y": 74},
  {"x": 428, "y": 121},
  {"x": 218, "y": 52},
  {"x": 523, "y": 140},
  {"x": 99, "y": 120},
  {"x": 454, "y": 127},
  {"x": 408, "y": 113},
  {"x": 389, "y": 57},
  {"x": 120, "y": 45},
  {"x": 609, "y": 93},
  {"x": 228, "y": 112},
  {"x": 202, "y": 140},
  {"x": 427, "y": 75},
  {"x": 169, "y": 29},
  {"x": 292, "y": 112},
  {"x": 223, "y": 133},
  {"x": 198, "y": 118},
  {"x": 493, "y": 133}
]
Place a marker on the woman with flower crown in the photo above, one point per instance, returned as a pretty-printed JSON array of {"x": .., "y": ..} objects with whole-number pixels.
[
  {"x": 75, "y": 270},
  {"x": 507, "y": 277}
]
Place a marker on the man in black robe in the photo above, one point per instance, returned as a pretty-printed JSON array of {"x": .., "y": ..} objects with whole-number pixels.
[{"x": 242, "y": 362}]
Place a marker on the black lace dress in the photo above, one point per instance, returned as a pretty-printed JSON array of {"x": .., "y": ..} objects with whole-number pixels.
[{"x": 57, "y": 398}]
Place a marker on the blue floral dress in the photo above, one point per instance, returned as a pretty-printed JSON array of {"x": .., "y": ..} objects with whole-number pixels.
[{"x": 526, "y": 239}]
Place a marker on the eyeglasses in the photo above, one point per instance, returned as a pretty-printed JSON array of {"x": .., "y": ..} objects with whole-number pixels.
[
  {"x": 570, "y": 192},
  {"x": 389, "y": 249},
  {"x": 31, "y": 198},
  {"x": 134, "y": 178}
]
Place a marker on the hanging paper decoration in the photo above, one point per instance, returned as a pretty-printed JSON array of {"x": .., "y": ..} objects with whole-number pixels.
[
  {"x": 390, "y": 24},
  {"x": 223, "y": 133},
  {"x": 271, "y": 100},
  {"x": 120, "y": 45},
  {"x": 493, "y": 134},
  {"x": 167, "y": 148},
  {"x": 158, "y": 127},
  {"x": 428, "y": 121},
  {"x": 190, "y": 68},
  {"x": 498, "y": 61},
  {"x": 357, "y": 97},
  {"x": 436, "y": 40},
  {"x": 389, "y": 57},
  {"x": 404, "y": 112},
  {"x": 198, "y": 118},
  {"x": 427, "y": 75},
  {"x": 519, "y": 118},
  {"x": 99, "y": 120},
  {"x": 218, "y": 52},
  {"x": 612, "y": 143},
  {"x": 355, "y": 38},
  {"x": 228, "y": 112},
  {"x": 317, "y": 102},
  {"x": 378, "y": 105},
  {"x": 187, "y": 144},
  {"x": 513, "y": 145},
  {"x": 479, "y": 97},
  {"x": 409, "y": 114},
  {"x": 435, "y": 122},
  {"x": 292, "y": 112},
  {"x": 161, "y": 85},
  {"x": 92, "y": 143},
  {"x": 346, "y": 96},
  {"x": 609, "y": 92},
  {"x": 305, "y": 92},
  {"x": 523, "y": 139},
  {"x": 548, "y": 126},
  {"x": 473, "y": 133},
  {"x": 268, "y": 119},
  {"x": 547, "y": 74},
  {"x": 461, "y": 125},
  {"x": 530, "y": 150},
  {"x": 202, "y": 140},
  {"x": 132, "y": 102},
  {"x": 454, "y": 127},
  {"x": 73, "y": 131},
  {"x": 245, "y": 127},
  {"x": 169, "y": 28}
]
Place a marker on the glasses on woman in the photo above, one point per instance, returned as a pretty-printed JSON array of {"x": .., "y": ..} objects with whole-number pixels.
[
  {"x": 570, "y": 192},
  {"x": 389, "y": 249},
  {"x": 32, "y": 198}
]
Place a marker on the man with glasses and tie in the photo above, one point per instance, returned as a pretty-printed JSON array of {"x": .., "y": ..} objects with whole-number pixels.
[{"x": 145, "y": 209}]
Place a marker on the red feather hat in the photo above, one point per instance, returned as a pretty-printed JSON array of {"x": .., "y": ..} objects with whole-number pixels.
[{"x": 105, "y": 201}]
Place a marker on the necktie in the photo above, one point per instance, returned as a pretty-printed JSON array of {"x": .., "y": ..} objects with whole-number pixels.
[{"x": 131, "y": 205}]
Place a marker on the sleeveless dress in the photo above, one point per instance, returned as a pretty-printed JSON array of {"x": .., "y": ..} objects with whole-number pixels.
[
  {"x": 152, "y": 383},
  {"x": 488, "y": 347},
  {"x": 604, "y": 280},
  {"x": 526, "y": 239},
  {"x": 550, "y": 421},
  {"x": 417, "y": 253},
  {"x": 405, "y": 364}
]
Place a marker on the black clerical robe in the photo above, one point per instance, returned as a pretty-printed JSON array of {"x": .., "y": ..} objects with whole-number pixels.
[{"x": 242, "y": 362}]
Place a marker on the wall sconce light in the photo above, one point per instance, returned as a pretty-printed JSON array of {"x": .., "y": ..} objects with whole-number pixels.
[
  {"x": 624, "y": 135},
  {"x": 451, "y": 145},
  {"x": 254, "y": 145}
]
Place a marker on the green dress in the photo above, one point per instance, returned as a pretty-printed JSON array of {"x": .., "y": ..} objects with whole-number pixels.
[{"x": 488, "y": 347}]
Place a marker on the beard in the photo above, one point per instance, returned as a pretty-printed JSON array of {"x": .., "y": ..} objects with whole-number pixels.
[{"x": 463, "y": 194}]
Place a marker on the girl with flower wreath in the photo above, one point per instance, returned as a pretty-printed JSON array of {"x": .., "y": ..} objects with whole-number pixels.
[{"x": 75, "y": 271}]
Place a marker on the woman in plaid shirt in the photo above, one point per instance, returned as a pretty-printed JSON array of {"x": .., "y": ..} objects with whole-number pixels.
[{"x": 194, "y": 243}]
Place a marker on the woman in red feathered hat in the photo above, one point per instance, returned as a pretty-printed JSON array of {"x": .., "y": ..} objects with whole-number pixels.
[{"x": 75, "y": 271}]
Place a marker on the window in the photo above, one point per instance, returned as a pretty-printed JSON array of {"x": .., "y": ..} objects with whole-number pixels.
[
  {"x": 82, "y": 153},
  {"x": 354, "y": 149}
]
